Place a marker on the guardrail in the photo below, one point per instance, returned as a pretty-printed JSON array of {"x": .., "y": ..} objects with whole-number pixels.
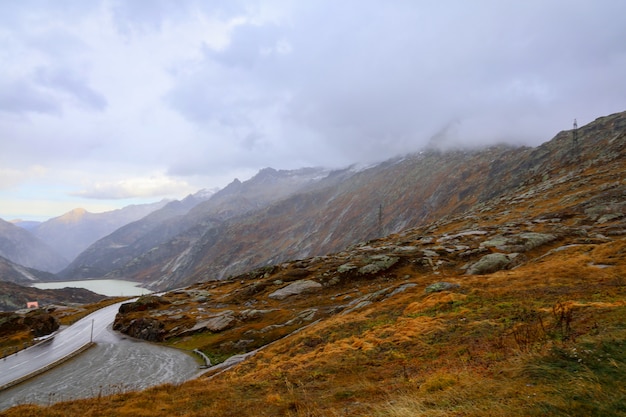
[{"x": 47, "y": 367}]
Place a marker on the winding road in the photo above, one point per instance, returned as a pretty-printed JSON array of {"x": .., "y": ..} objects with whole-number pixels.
[{"x": 115, "y": 364}]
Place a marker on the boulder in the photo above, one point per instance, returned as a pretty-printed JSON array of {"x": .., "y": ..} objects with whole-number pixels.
[
  {"x": 441, "y": 286},
  {"x": 491, "y": 263},
  {"x": 219, "y": 323},
  {"x": 145, "y": 328},
  {"x": 296, "y": 288},
  {"x": 378, "y": 263}
]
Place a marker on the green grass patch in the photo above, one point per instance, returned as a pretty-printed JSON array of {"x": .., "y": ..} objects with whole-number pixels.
[{"x": 584, "y": 379}]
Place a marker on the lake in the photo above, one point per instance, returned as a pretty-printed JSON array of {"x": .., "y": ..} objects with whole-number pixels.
[{"x": 108, "y": 287}]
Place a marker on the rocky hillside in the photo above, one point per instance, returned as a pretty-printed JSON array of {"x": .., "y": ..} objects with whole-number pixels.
[
  {"x": 12, "y": 272},
  {"x": 340, "y": 209},
  {"x": 122, "y": 245},
  {"x": 173, "y": 232},
  {"x": 23, "y": 248},
  {"x": 513, "y": 305}
]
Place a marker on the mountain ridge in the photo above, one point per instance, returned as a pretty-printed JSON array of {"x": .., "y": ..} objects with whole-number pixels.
[{"x": 342, "y": 208}]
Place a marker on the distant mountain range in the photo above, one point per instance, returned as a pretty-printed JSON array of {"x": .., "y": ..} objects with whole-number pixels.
[
  {"x": 51, "y": 245},
  {"x": 282, "y": 215}
]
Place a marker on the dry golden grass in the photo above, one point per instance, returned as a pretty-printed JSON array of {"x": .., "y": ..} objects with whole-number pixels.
[
  {"x": 547, "y": 338},
  {"x": 429, "y": 354}
]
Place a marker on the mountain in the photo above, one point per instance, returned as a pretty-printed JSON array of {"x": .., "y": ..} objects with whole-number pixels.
[
  {"x": 257, "y": 222},
  {"x": 26, "y": 224},
  {"x": 507, "y": 299},
  {"x": 22, "y": 247},
  {"x": 176, "y": 227},
  {"x": 12, "y": 272},
  {"x": 74, "y": 231}
]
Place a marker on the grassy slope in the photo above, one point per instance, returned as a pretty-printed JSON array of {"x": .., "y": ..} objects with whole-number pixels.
[{"x": 545, "y": 338}]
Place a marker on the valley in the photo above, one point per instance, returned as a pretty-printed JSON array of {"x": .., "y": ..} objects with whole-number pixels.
[{"x": 473, "y": 283}]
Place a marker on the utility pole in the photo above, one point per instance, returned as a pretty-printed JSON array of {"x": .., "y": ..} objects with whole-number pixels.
[
  {"x": 575, "y": 134},
  {"x": 380, "y": 220},
  {"x": 91, "y": 337}
]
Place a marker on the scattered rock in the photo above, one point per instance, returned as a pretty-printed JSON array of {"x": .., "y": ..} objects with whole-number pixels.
[
  {"x": 252, "y": 314},
  {"x": 518, "y": 243},
  {"x": 346, "y": 268},
  {"x": 378, "y": 263},
  {"x": 441, "y": 286},
  {"x": 225, "y": 320},
  {"x": 401, "y": 288},
  {"x": 295, "y": 288}
]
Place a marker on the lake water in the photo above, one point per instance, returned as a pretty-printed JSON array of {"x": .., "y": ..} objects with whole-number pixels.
[{"x": 108, "y": 287}]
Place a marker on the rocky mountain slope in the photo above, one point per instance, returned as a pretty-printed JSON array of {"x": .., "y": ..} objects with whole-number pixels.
[
  {"x": 22, "y": 247},
  {"x": 12, "y": 272},
  {"x": 172, "y": 232},
  {"x": 513, "y": 305},
  {"x": 341, "y": 209}
]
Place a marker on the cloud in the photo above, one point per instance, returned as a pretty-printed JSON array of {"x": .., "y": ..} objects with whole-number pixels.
[
  {"x": 157, "y": 186},
  {"x": 20, "y": 96},
  {"x": 506, "y": 72},
  {"x": 10, "y": 178},
  {"x": 206, "y": 91},
  {"x": 67, "y": 82}
]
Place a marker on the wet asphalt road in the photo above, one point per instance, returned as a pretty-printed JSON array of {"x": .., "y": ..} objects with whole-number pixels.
[{"x": 116, "y": 364}]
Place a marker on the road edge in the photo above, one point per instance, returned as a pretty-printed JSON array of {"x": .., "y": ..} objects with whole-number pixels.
[{"x": 47, "y": 367}]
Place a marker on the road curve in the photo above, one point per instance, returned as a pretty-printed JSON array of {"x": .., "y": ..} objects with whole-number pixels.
[
  {"x": 64, "y": 345},
  {"x": 115, "y": 364}
]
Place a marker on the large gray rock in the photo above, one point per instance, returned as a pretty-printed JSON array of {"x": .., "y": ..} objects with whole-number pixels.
[
  {"x": 223, "y": 321},
  {"x": 220, "y": 323},
  {"x": 296, "y": 288},
  {"x": 518, "y": 243},
  {"x": 491, "y": 263}
]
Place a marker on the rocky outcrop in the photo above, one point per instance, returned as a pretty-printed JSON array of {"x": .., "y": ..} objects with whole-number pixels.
[
  {"x": 38, "y": 322},
  {"x": 492, "y": 263},
  {"x": 146, "y": 302},
  {"x": 145, "y": 328},
  {"x": 296, "y": 288}
]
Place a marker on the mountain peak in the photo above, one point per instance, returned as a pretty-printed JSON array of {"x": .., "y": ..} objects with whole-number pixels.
[{"x": 73, "y": 215}]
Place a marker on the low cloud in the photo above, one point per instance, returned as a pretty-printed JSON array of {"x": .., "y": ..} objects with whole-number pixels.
[
  {"x": 206, "y": 91},
  {"x": 149, "y": 187}
]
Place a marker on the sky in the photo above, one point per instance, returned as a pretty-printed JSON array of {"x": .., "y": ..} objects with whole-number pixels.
[{"x": 106, "y": 103}]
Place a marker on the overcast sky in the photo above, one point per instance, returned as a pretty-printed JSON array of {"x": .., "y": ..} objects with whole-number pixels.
[{"x": 105, "y": 103}]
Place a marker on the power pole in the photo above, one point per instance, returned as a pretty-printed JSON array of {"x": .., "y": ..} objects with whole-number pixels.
[
  {"x": 380, "y": 220},
  {"x": 575, "y": 134}
]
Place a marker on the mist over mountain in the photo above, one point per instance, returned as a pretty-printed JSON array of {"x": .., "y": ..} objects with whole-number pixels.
[
  {"x": 22, "y": 247},
  {"x": 73, "y": 232},
  {"x": 177, "y": 226},
  {"x": 281, "y": 215}
]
